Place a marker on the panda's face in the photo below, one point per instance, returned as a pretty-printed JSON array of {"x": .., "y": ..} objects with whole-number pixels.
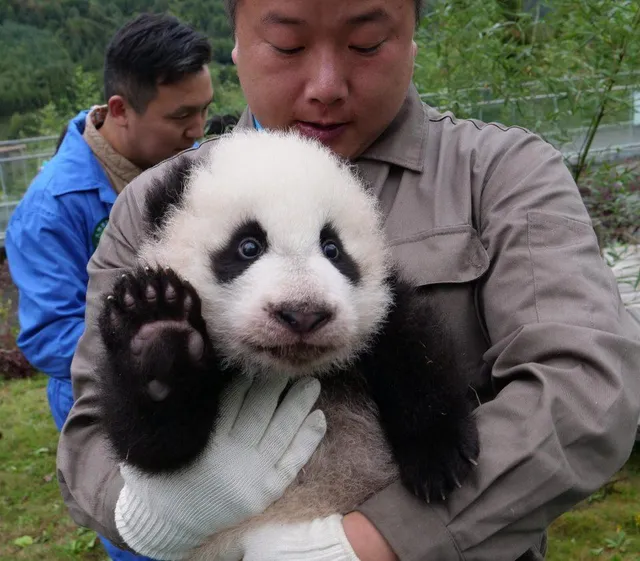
[{"x": 286, "y": 252}]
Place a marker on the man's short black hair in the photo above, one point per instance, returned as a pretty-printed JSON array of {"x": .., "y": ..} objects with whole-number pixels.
[
  {"x": 231, "y": 6},
  {"x": 152, "y": 50}
]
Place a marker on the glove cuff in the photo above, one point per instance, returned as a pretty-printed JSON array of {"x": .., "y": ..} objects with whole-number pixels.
[
  {"x": 149, "y": 535},
  {"x": 346, "y": 553},
  {"x": 322, "y": 539}
]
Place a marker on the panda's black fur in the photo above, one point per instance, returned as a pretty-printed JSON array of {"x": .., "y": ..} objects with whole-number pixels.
[{"x": 159, "y": 405}]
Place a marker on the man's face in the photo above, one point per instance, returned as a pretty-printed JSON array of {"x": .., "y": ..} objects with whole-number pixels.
[
  {"x": 334, "y": 69},
  {"x": 173, "y": 120}
]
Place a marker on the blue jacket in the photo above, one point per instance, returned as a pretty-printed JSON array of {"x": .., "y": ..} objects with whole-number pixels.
[{"x": 49, "y": 241}]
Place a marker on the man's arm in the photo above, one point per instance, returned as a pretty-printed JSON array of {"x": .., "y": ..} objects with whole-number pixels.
[
  {"x": 47, "y": 260},
  {"x": 564, "y": 361}
]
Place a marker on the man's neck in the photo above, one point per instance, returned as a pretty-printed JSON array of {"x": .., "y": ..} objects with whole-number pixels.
[
  {"x": 111, "y": 133},
  {"x": 105, "y": 142}
]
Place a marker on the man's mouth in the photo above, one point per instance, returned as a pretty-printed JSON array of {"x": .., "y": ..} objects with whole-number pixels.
[{"x": 324, "y": 132}]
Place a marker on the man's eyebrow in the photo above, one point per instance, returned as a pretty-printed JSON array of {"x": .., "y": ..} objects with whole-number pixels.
[
  {"x": 376, "y": 15},
  {"x": 367, "y": 17},
  {"x": 274, "y": 18}
]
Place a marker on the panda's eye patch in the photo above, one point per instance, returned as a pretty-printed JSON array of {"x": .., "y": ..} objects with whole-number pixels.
[
  {"x": 330, "y": 250},
  {"x": 245, "y": 247},
  {"x": 249, "y": 248},
  {"x": 333, "y": 249}
]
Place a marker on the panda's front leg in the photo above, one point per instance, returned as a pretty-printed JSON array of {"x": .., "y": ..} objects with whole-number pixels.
[
  {"x": 421, "y": 394},
  {"x": 160, "y": 380}
]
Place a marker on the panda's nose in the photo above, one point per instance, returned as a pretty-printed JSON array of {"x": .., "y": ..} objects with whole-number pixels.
[{"x": 303, "y": 322}]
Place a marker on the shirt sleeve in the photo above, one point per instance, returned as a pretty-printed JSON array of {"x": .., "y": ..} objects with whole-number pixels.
[
  {"x": 47, "y": 260},
  {"x": 563, "y": 360}
]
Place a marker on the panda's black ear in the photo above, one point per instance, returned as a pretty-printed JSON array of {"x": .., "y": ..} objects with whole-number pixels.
[{"x": 167, "y": 191}]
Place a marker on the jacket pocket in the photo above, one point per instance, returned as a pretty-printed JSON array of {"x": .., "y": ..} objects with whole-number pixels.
[
  {"x": 449, "y": 255},
  {"x": 447, "y": 264}
]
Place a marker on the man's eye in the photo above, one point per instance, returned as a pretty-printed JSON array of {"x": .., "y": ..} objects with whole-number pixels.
[
  {"x": 368, "y": 50},
  {"x": 288, "y": 51}
]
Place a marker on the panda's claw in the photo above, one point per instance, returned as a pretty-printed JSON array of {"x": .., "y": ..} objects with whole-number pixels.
[{"x": 148, "y": 309}]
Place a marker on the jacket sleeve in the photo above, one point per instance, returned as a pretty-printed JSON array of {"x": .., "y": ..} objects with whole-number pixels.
[
  {"x": 47, "y": 261},
  {"x": 88, "y": 476},
  {"x": 564, "y": 359}
]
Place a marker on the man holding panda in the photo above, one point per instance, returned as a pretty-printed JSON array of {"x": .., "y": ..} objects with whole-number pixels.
[{"x": 489, "y": 215}]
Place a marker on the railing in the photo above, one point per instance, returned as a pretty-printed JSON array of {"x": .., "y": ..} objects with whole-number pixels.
[
  {"x": 20, "y": 161},
  {"x": 6, "y": 209}
]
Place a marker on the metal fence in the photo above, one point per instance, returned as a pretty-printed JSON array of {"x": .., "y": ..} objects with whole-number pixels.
[
  {"x": 20, "y": 161},
  {"x": 6, "y": 208}
]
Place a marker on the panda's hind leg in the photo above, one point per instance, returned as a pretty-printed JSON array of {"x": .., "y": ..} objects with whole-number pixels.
[
  {"x": 160, "y": 381},
  {"x": 422, "y": 398}
]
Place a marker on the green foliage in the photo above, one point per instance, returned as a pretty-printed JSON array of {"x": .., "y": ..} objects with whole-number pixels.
[
  {"x": 48, "y": 41},
  {"x": 549, "y": 70},
  {"x": 34, "y": 67},
  {"x": 81, "y": 93}
]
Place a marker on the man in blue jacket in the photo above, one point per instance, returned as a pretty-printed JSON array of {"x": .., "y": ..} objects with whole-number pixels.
[{"x": 157, "y": 88}]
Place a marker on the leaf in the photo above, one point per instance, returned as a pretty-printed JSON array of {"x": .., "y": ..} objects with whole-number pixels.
[{"x": 23, "y": 541}]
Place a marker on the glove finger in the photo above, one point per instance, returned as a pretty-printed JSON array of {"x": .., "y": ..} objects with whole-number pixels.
[
  {"x": 257, "y": 410},
  {"x": 302, "y": 447},
  {"x": 289, "y": 417},
  {"x": 231, "y": 404}
]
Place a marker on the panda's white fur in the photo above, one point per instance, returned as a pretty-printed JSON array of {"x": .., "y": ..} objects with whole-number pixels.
[{"x": 241, "y": 181}]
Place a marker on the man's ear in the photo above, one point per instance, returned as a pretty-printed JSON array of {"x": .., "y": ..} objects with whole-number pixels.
[
  {"x": 234, "y": 51},
  {"x": 118, "y": 110},
  {"x": 414, "y": 48}
]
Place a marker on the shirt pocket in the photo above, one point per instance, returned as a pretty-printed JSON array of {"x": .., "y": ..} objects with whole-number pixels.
[
  {"x": 448, "y": 255},
  {"x": 447, "y": 264}
]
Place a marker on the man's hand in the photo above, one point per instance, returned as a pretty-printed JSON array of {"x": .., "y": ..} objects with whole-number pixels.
[
  {"x": 256, "y": 452},
  {"x": 334, "y": 538}
]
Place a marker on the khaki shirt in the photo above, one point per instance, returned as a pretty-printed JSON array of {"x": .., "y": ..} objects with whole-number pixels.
[{"x": 491, "y": 216}]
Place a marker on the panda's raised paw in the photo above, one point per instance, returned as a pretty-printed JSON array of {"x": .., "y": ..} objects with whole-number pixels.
[
  {"x": 147, "y": 295},
  {"x": 152, "y": 322}
]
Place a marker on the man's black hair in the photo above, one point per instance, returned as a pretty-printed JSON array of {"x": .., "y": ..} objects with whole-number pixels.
[
  {"x": 231, "y": 6},
  {"x": 152, "y": 50}
]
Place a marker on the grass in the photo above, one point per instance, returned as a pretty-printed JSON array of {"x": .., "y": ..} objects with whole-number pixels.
[
  {"x": 34, "y": 524},
  {"x": 604, "y": 527}
]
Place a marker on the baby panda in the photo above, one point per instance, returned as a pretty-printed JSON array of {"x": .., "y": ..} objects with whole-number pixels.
[{"x": 266, "y": 257}]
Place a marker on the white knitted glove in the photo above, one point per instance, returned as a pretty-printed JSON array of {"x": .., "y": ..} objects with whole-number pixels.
[
  {"x": 322, "y": 539},
  {"x": 255, "y": 453}
]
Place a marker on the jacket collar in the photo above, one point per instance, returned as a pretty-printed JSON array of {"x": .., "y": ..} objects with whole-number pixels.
[
  {"x": 79, "y": 166},
  {"x": 403, "y": 143}
]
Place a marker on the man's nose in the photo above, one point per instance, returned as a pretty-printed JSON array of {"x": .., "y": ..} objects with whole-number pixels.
[
  {"x": 196, "y": 127},
  {"x": 327, "y": 81}
]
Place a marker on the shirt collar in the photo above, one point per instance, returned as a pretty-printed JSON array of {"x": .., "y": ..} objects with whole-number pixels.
[{"x": 403, "y": 143}]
